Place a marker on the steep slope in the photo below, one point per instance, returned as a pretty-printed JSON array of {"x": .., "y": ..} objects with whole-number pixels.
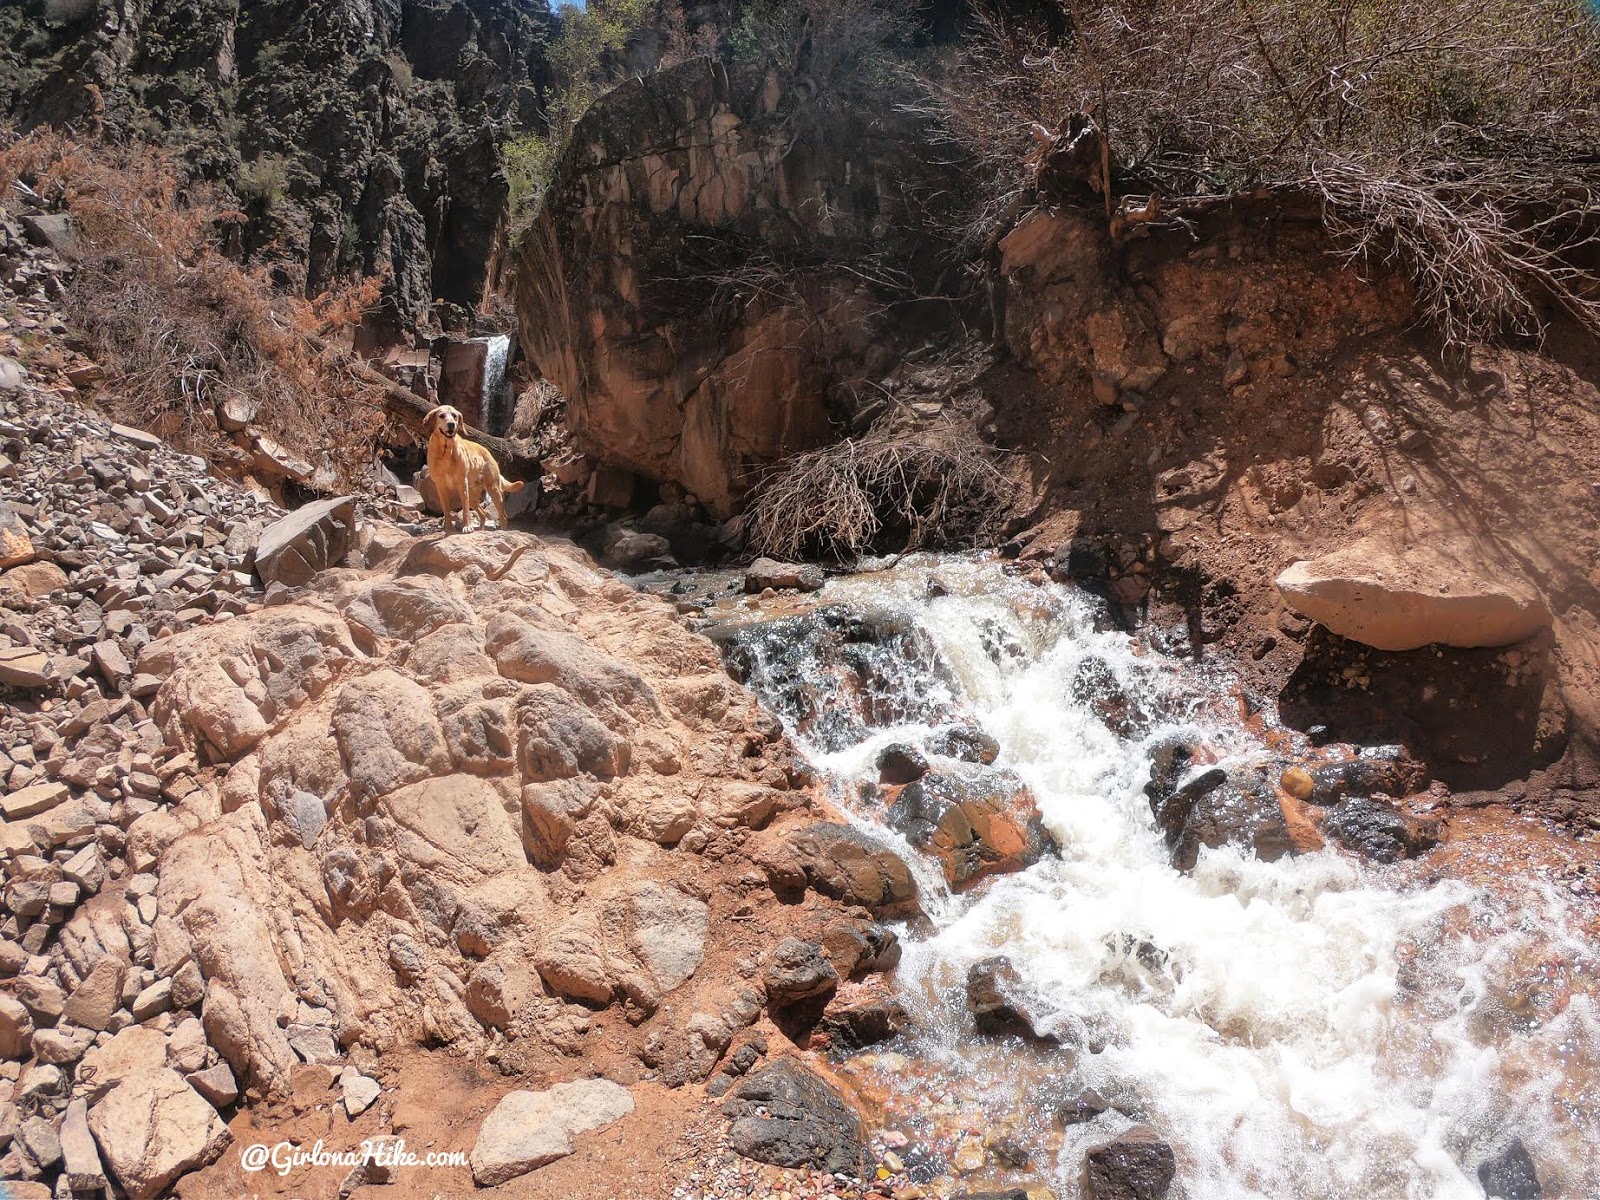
[{"x": 357, "y": 137}]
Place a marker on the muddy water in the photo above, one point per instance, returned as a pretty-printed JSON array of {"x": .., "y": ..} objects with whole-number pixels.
[{"x": 1313, "y": 1027}]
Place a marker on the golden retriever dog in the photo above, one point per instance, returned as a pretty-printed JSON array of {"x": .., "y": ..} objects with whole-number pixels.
[{"x": 463, "y": 471}]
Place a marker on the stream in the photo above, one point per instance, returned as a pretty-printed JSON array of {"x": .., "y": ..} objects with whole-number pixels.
[{"x": 1317, "y": 1026}]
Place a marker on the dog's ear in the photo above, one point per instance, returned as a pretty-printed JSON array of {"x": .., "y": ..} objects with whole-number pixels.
[{"x": 429, "y": 421}]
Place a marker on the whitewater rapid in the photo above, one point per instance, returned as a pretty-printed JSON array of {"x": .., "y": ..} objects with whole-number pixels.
[{"x": 1312, "y": 1027}]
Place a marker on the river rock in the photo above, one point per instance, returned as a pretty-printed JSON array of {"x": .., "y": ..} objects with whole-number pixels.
[
  {"x": 1510, "y": 1174},
  {"x": 153, "y": 1127},
  {"x": 785, "y": 1115},
  {"x": 967, "y": 743},
  {"x": 293, "y": 550},
  {"x": 527, "y": 1130},
  {"x": 996, "y": 1000},
  {"x": 1390, "y": 600},
  {"x": 861, "y": 1015},
  {"x": 770, "y": 573},
  {"x": 1136, "y": 1165},
  {"x": 796, "y": 972},
  {"x": 1380, "y": 831},
  {"x": 1386, "y": 769},
  {"x": 1211, "y": 809},
  {"x": 976, "y": 824},
  {"x": 901, "y": 764}
]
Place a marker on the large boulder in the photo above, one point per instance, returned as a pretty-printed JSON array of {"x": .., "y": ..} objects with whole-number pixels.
[
  {"x": 672, "y": 183},
  {"x": 976, "y": 823},
  {"x": 838, "y": 861},
  {"x": 785, "y": 1115},
  {"x": 307, "y": 541},
  {"x": 527, "y": 1130},
  {"x": 153, "y": 1127},
  {"x": 1373, "y": 594}
]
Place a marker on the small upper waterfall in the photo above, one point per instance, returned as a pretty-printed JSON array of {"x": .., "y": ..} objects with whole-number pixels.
[
  {"x": 1311, "y": 1027},
  {"x": 496, "y": 401}
]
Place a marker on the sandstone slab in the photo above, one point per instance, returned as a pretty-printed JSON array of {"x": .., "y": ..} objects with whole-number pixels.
[
  {"x": 1390, "y": 601},
  {"x": 527, "y": 1130}
]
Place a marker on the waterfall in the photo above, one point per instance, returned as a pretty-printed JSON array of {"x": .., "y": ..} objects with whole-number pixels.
[
  {"x": 1310, "y": 1027},
  {"x": 496, "y": 401}
]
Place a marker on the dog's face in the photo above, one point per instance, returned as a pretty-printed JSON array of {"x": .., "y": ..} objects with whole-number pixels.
[{"x": 445, "y": 419}]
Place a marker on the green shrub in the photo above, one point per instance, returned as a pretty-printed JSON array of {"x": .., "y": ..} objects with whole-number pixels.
[{"x": 263, "y": 183}]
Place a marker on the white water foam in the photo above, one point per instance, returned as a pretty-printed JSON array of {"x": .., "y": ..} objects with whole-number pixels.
[{"x": 1309, "y": 1028}]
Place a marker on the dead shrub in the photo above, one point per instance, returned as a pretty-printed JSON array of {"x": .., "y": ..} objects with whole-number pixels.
[
  {"x": 939, "y": 485},
  {"x": 1450, "y": 138},
  {"x": 179, "y": 327}
]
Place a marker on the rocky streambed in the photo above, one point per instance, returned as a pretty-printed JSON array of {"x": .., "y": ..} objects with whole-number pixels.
[{"x": 1158, "y": 939}]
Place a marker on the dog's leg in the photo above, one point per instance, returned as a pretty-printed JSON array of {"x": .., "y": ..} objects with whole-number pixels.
[
  {"x": 474, "y": 504},
  {"x": 499, "y": 502},
  {"x": 450, "y": 500}
]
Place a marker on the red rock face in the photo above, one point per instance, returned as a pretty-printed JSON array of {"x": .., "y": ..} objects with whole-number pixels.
[{"x": 635, "y": 287}]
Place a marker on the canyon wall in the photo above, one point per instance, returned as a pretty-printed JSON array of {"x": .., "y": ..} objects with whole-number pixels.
[
  {"x": 718, "y": 264},
  {"x": 355, "y": 135}
]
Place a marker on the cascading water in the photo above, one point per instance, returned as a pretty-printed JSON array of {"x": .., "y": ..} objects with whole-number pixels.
[
  {"x": 496, "y": 401},
  {"x": 1311, "y": 1027}
]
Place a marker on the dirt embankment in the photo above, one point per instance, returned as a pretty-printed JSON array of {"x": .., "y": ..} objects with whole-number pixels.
[{"x": 1220, "y": 397}]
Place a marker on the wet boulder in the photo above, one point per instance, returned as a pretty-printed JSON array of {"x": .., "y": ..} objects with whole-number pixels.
[
  {"x": 1386, "y": 769},
  {"x": 861, "y": 1015},
  {"x": 786, "y": 1116},
  {"x": 856, "y": 945},
  {"x": 976, "y": 824},
  {"x": 1136, "y": 1165},
  {"x": 767, "y": 573},
  {"x": 1509, "y": 1175},
  {"x": 1082, "y": 1108},
  {"x": 1380, "y": 831},
  {"x": 836, "y": 673},
  {"x": 901, "y": 764},
  {"x": 1118, "y": 705},
  {"x": 998, "y": 1003},
  {"x": 1212, "y": 809},
  {"x": 967, "y": 743}
]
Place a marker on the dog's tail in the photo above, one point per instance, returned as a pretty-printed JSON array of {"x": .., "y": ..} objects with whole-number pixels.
[{"x": 508, "y": 486}]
